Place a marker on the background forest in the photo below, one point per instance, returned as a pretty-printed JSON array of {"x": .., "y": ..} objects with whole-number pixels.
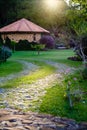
[{"x": 67, "y": 21}]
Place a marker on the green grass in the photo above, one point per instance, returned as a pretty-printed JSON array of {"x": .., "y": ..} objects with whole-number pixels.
[
  {"x": 43, "y": 71},
  {"x": 54, "y": 55},
  {"x": 10, "y": 67},
  {"x": 60, "y": 56},
  {"x": 56, "y": 102}
]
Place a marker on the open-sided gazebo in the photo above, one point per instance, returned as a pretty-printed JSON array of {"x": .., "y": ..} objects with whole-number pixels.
[{"x": 23, "y": 30}]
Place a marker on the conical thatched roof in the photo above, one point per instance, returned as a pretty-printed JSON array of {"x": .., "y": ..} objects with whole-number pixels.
[{"x": 23, "y": 25}]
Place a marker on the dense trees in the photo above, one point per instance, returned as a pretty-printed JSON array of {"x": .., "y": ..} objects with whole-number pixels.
[
  {"x": 65, "y": 22},
  {"x": 34, "y": 10},
  {"x": 77, "y": 22},
  {"x": 8, "y": 11}
]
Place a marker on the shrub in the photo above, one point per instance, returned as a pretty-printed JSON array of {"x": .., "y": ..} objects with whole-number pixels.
[
  {"x": 81, "y": 48},
  {"x": 8, "y": 43},
  {"x": 1, "y": 41},
  {"x": 48, "y": 41},
  {"x": 38, "y": 47},
  {"x": 75, "y": 58},
  {"x": 84, "y": 45},
  {"x": 72, "y": 43},
  {"x": 5, "y": 53},
  {"x": 84, "y": 73},
  {"x": 13, "y": 44},
  {"x": 23, "y": 45}
]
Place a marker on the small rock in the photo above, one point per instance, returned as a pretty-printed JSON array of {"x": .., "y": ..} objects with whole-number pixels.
[
  {"x": 45, "y": 128},
  {"x": 28, "y": 97},
  {"x": 83, "y": 126},
  {"x": 13, "y": 120},
  {"x": 27, "y": 122},
  {"x": 30, "y": 127}
]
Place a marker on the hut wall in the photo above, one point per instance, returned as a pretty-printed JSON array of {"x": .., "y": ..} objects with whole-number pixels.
[
  {"x": 17, "y": 37},
  {"x": 38, "y": 37}
]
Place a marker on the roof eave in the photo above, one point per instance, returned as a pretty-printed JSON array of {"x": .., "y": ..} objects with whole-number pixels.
[{"x": 6, "y": 32}]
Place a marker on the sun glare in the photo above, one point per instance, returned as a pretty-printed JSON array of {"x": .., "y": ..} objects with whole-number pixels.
[{"x": 51, "y": 3}]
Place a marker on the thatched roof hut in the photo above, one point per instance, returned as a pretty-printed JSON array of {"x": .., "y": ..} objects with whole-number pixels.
[{"x": 23, "y": 30}]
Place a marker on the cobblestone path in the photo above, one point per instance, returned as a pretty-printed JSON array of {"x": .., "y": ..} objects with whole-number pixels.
[{"x": 23, "y": 98}]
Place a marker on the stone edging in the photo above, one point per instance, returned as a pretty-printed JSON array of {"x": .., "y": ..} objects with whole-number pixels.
[{"x": 17, "y": 120}]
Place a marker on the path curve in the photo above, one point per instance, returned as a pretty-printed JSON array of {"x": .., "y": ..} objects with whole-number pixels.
[
  {"x": 61, "y": 68},
  {"x": 25, "y": 94},
  {"x": 27, "y": 69}
]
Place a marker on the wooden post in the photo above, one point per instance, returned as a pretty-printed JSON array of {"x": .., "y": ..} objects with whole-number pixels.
[{"x": 69, "y": 96}]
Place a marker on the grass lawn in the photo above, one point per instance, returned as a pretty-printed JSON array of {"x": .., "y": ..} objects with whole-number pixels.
[
  {"x": 54, "y": 101},
  {"x": 43, "y": 71},
  {"x": 55, "y": 55},
  {"x": 10, "y": 67}
]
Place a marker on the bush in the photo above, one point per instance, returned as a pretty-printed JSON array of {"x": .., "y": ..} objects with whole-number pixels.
[
  {"x": 38, "y": 47},
  {"x": 1, "y": 41},
  {"x": 5, "y": 53},
  {"x": 84, "y": 45},
  {"x": 84, "y": 73},
  {"x": 75, "y": 58},
  {"x": 72, "y": 43},
  {"x": 81, "y": 48},
  {"x": 13, "y": 44},
  {"x": 48, "y": 41},
  {"x": 23, "y": 45},
  {"x": 8, "y": 43}
]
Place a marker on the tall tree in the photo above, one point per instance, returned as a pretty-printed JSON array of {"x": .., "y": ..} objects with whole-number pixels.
[
  {"x": 8, "y": 11},
  {"x": 77, "y": 21}
]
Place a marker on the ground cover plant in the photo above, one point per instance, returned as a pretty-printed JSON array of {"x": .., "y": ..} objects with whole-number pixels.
[{"x": 54, "y": 101}]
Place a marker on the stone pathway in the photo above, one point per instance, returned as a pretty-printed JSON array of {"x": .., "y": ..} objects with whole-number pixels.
[
  {"x": 24, "y": 97},
  {"x": 62, "y": 68},
  {"x": 17, "y": 120},
  {"x": 28, "y": 96}
]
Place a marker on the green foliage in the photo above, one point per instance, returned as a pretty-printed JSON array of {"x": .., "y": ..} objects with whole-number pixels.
[
  {"x": 84, "y": 44},
  {"x": 84, "y": 73},
  {"x": 5, "y": 53},
  {"x": 8, "y": 11},
  {"x": 38, "y": 47},
  {"x": 1, "y": 41},
  {"x": 55, "y": 101},
  {"x": 13, "y": 44},
  {"x": 34, "y": 10},
  {"x": 8, "y": 42},
  {"x": 80, "y": 4},
  {"x": 76, "y": 17},
  {"x": 76, "y": 22},
  {"x": 23, "y": 45}
]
